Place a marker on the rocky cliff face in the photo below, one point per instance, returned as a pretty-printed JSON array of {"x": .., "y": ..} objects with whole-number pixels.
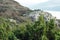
[
  {"x": 12, "y": 5},
  {"x": 35, "y": 15},
  {"x": 12, "y": 9}
]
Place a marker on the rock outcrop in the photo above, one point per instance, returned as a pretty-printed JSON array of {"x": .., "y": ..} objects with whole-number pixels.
[{"x": 35, "y": 15}]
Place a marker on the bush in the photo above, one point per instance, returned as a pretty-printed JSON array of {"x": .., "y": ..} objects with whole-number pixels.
[{"x": 39, "y": 30}]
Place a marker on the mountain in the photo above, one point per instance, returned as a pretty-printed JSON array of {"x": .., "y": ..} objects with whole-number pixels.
[
  {"x": 15, "y": 12},
  {"x": 12, "y": 10}
]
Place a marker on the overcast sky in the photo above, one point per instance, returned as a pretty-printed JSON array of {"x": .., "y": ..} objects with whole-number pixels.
[
  {"x": 30, "y": 2},
  {"x": 53, "y": 6}
]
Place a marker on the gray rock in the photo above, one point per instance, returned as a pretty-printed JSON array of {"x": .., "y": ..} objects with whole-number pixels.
[{"x": 35, "y": 15}]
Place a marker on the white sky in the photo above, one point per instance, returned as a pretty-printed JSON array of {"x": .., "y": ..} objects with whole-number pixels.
[{"x": 28, "y": 3}]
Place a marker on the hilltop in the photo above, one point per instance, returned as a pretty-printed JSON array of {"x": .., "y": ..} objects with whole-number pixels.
[{"x": 13, "y": 10}]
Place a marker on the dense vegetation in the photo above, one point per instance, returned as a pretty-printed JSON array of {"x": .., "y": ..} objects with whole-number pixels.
[{"x": 39, "y": 30}]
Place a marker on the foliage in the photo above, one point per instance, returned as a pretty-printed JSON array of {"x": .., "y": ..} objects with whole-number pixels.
[{"x": 39, "y": 30}]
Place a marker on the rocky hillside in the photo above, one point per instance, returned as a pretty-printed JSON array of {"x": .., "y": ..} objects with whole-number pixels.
[
  {"x": 36, "y": 13},
  {"x": 13, "y": 10}
]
